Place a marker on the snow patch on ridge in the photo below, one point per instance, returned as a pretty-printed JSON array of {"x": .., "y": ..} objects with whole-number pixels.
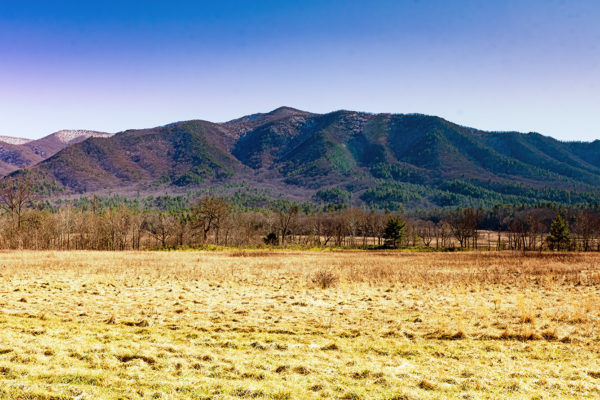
[
  {"x": 14, "y": 140},
  {"x": 67, "y": 136}
]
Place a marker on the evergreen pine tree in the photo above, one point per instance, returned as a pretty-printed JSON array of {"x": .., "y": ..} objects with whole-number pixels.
[
  {"x": 559, "y": 237},
  {"x": 395, "y": 231}
]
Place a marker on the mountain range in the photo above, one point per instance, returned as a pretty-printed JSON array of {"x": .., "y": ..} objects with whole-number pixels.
[{"x": 389, "y": 161}]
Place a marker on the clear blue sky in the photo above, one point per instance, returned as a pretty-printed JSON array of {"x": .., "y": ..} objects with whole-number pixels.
[{"x": 112, "y": 65}]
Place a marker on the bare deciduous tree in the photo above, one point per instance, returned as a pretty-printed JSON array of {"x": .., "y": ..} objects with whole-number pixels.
[
  {"x": 426, "y": 231},
  {"x": 16, "y": 193},
  {"x": 208, "y": 215},
  {"x": 285, "y": 219},
  {"x": 464, "y": 223},
  {"x": 160, "y": 226}
]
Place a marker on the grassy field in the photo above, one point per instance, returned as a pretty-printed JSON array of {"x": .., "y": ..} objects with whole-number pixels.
[{"x": 299, "y": 325}]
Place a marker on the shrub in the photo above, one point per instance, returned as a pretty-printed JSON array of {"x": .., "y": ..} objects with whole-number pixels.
[
  {"x": 325, "y": 279},
  {"x": 271, "y": 239}
]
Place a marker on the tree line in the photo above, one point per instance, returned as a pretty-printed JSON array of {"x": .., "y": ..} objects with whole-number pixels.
[{"x": 28, "y": 223}]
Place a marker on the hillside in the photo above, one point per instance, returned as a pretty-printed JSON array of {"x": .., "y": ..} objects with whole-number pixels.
[
  {"x": 183, "y": 154},
  {"x": 53, "y": 143},
  {"x": 381, "y": 160},
  {"x": 16, "y": 152}
]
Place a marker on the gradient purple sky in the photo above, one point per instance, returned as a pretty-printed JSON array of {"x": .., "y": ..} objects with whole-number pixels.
[{"x": 112, "y": 65}]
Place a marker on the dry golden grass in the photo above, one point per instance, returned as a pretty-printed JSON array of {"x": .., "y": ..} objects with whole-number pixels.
[{"x": 244, "y": 324}]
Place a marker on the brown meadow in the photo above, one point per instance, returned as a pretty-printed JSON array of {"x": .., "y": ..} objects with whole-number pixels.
[{"x": 299, "y": 325}]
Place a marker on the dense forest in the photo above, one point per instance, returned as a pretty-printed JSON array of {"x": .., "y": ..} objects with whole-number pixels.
[{"x": 120, "y": 223}]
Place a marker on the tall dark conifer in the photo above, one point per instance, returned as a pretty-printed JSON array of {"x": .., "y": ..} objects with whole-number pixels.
[{"x": 559, "y": 237}]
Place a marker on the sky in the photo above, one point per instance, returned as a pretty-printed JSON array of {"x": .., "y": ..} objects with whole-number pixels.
[{"x": 530, "y": 65}]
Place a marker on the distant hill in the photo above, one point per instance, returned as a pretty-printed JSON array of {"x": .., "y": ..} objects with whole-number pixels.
[
  {"x": 53, "y": 143},
  {"x": 16, "y": 153},
  {"x": 380, "y": 160}
]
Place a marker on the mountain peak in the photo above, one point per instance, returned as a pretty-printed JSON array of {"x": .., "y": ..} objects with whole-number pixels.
[
  {"x": 287, "y": 111},
  {"x": 248, "y": 122}
]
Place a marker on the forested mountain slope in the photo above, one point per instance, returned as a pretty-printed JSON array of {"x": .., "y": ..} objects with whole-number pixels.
[{"x": 381, "y": 160}]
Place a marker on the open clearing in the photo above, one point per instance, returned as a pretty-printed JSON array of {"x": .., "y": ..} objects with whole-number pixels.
[{"x": 256, "y": 324}]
